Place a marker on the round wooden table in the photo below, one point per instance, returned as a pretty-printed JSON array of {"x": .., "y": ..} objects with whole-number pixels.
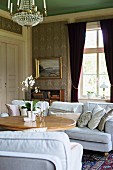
[{"x": 53, "y": 123}]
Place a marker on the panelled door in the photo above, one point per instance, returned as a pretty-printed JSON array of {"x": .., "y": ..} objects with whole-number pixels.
[{"x": 8, "y": 74}]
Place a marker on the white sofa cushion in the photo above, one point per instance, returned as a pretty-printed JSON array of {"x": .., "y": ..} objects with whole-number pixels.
[
  {"x": 89, "y": 106},
  {"x": 13, "y": 110},
  {"x": 68, "y": 106},
  {"x": 56, "y": 110},
  {"x": 86, "y": 134}
]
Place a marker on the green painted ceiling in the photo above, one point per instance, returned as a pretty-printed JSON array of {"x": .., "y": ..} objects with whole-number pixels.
[{"x": 56, "y": 7}]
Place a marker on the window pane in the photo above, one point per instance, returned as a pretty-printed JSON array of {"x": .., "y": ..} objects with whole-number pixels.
[
  {"x": 102, "y": 64},
  {"x": 91, "y": 39},
  {"x": 89, "y": 63},
  {"x": 104, "y": 78},
  {"x": 89, "y": 84},
  {"x": 100, "y": 39},
  {"x": 103, "y": 75}
]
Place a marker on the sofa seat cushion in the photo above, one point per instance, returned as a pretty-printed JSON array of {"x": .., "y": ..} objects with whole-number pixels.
[{"x": 87, "y": 134}]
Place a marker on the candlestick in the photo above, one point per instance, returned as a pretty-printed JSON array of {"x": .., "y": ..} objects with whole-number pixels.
[
  {"x": 33, "y": 2},
  {"x": 44, "y": 4},
  {"x": 31, "y": 105},
  {"x": 42, "y": 107},
  {"x": 8, "y": 4},
  {"x": 18, "y": 2},
  {"x": 36, "y": 8},
  {"x": 11, "y": 10},
  {"x": 33, "y": 116}
]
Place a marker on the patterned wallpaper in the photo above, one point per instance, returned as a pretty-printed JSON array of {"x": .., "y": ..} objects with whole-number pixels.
[
  {"x": 9, "y": 25},
  {"x": 51, "y": 40}
]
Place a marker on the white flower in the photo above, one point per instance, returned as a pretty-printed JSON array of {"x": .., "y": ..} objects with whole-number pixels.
[
  {"x": 23, "y": 88},
  {"x": 28, "y": 82}
]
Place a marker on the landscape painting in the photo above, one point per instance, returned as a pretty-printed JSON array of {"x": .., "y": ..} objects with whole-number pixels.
[{"x": 49, "y": 67}]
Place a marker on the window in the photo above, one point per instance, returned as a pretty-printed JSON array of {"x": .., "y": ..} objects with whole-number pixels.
[{"x": 94, "y": 70}]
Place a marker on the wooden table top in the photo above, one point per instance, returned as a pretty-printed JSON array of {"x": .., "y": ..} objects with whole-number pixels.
[{"x": 53, "y": 123}]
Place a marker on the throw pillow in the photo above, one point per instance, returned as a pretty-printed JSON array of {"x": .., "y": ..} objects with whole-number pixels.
[
  {"x": 103, "y": 120},
  {"x": 84, "y": 119},
  {"x": 13, "y": 110},
  {"x": 97, "y": 114}
]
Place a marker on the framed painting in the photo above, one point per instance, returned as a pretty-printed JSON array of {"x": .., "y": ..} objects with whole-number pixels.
[{"x": 47, "y": 68}]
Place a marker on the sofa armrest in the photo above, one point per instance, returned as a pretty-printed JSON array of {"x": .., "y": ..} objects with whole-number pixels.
[
  {"x": 4, "y": 115},
  {"x": 27, "y": 161},
  {"x": 109, "y": 126},
  {"x": 76, "y": 156}
]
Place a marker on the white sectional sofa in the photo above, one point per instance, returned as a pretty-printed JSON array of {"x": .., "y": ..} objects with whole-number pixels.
[
  {"x": 90, "y": 139},
  {"x": 39, "y": 151}
]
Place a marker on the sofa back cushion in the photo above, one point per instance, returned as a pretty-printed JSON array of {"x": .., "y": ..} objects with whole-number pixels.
[
  {"x": 75, "y": 107},
  {"x": 89, "y": 106},
  {"x": 52, "y": 143},
  {"x": 13, "y": 110}
]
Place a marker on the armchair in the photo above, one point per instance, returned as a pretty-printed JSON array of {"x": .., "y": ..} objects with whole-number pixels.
[{"x": 45, "y": 150}]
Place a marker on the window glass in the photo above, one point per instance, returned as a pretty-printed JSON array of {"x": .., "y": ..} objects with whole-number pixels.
[
  {"x": 89, "y": 63},
  {"x": 100, "y": 39},
  {"x": 91, "y": 39},
  {"x": 94, "y": 70},
  {"x": 89, "y": 84}
]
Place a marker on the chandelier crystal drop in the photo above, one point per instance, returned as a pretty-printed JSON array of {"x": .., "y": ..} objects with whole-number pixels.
[{"x": 26, "y": 13}]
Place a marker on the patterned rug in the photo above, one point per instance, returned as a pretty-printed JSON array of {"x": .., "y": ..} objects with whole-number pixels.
[{"x": 93, "y": 160}]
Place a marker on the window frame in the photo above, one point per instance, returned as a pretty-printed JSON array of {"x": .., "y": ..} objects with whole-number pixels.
[{"x": 92, "y": 26}]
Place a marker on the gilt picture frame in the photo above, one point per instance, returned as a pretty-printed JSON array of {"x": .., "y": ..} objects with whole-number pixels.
[{"x": 48, "y": 68}]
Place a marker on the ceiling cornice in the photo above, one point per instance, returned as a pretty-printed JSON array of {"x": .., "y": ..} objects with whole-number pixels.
[
  {"x": 5, "y": 14},
  {"x": 82, "y": 16},
  {"x": 74, "y": 17}
]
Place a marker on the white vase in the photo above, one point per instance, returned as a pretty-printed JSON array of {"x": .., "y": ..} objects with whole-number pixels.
[
  {"x": 90, "y": 95},
  {"x": 29, "y": 114},
  {"x": 33, "y": 116},
  {"x": 23, "y": 112}
]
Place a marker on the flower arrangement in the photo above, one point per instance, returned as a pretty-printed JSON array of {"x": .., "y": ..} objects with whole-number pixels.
[{"x": 27, "y": 85}]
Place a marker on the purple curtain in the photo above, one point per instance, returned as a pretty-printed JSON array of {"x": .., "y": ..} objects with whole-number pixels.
[
  {"x": 76, "y": 32},
  {"x": 107, "y": 30}
]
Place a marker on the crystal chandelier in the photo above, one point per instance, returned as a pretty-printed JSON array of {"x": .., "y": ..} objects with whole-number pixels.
[{"x": 27, "y": 13}]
